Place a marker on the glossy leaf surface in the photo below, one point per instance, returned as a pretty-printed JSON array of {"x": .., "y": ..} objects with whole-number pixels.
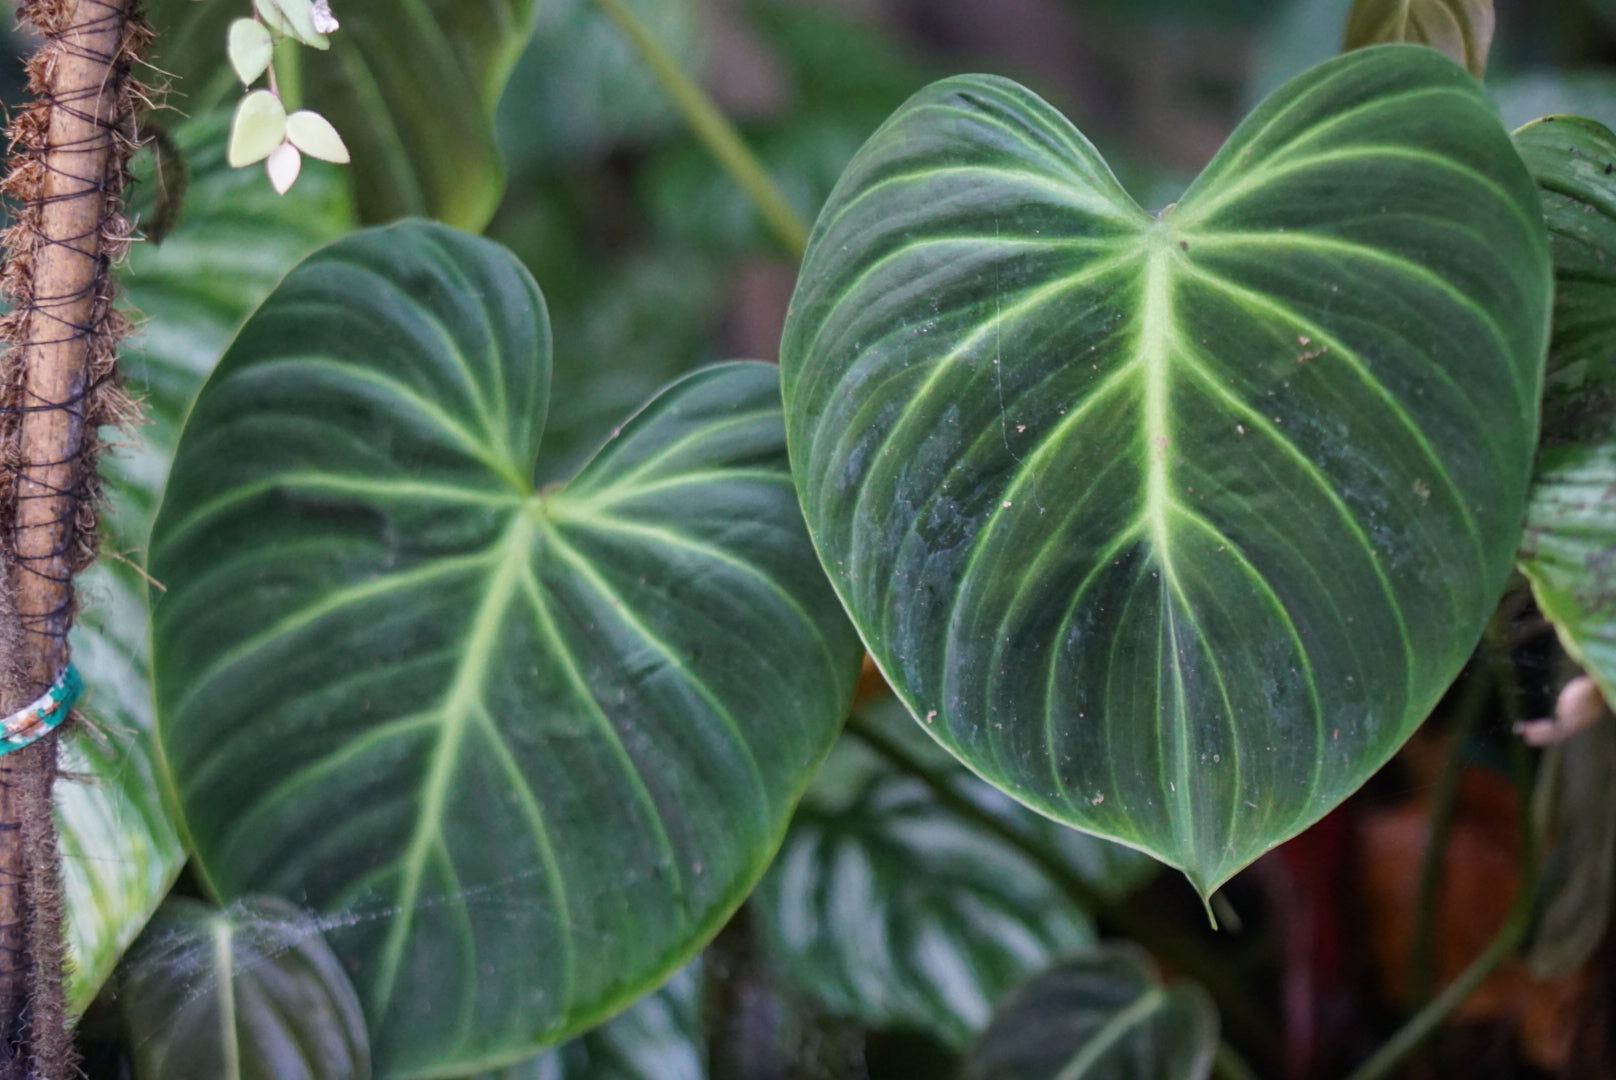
[
  {"x": 1461, "y": 29},
  {"x": 411, "y": 89},
  {"x": 1570, "y": 547},
  {"x": 120, "y": 852},
  {"x": 1174, "y": 526},
  {"x": 529, "y": 750},
  {"x": 1100, "y": 1016},
  {"x": 251, "y": 992}
]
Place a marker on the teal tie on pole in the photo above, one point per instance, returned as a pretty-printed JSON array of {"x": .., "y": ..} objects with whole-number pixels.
[{"x": 42, "y": 716}]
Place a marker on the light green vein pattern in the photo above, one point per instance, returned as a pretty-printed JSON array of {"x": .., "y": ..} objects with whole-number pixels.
[
  {"x": 522, "y": 753},
  {"x": 1173, "y": 526}
]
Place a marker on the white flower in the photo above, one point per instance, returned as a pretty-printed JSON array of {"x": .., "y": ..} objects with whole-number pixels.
[
  {"x": 324, "y": 21},
  {"x": 304, "y": 20}
]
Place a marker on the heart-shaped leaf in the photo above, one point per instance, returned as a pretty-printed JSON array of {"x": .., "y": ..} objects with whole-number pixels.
[
  {"x": 1570, "y": 548},
  {"x": 250, "y": 991},
  {"x": 1174, "y": 526},
  {"x": 1100, "y": 1016},
  {"x": 1463, "y": 29},
  {"x": 528, "y": 749}
]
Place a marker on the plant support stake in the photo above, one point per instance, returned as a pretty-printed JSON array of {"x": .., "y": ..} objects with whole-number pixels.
[{"x": 66, "y": 171}]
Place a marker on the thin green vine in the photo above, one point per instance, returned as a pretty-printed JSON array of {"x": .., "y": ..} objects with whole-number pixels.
[
  {"x": 1478, "y": 695},
  {"x": 715, "y": 131},
  {"x": 1517, "y": 923}
]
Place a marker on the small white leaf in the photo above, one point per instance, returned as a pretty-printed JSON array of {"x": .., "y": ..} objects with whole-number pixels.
[
  {"x": 299, "y": 18},
  {"x": 258, "y": 128},
  {"x": 284, "y": 164},
  {"x": 324, "y": 21},
  {"x": 270, "y": 12},
  {"x": 313, "y": 134},
  {"x": 251, "y": 47}
]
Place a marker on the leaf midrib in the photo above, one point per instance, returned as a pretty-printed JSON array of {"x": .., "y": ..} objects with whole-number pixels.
[
  {"x": 1155, "y": 352},
  {"x": 462, "y": 699}
]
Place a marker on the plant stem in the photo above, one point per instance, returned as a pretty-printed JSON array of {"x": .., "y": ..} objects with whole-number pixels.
[
  {"x": 714, "y": 130},
  {"x": 1422, "y": 1023},
  {"x": 1478, "y": 693},
  {"x": 1516, "y": 924},
  {"x": 1236, "y": 1002},
  {"x": 286, "y": 73}
]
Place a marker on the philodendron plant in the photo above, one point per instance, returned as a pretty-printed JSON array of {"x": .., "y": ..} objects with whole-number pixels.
[
  {"x": 1170, "y": 525},
  {"x": 1175, "y": 525}
]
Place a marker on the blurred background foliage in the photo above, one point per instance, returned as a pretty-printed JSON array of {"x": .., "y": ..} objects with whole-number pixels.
[{"x": 654, "y": 262}]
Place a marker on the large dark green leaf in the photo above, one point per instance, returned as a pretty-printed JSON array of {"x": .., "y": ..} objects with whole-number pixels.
[
  {"x": 1463, "y": 29},
  {"x": 248, "y": 993},
  {"x": 412, "y": 87},
  {"x": 529, "y": 749},
  {"x": 1570, "y": 548},
  {"x": 1174, "y": 526},
  {"x": 119, "y": 849},
  {"x": 1101, "y": 1016}
]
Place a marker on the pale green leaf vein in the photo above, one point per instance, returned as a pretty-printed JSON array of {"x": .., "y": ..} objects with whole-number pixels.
[
  {"x": 919, "y": 408},
  {"x": 624, "y": 611},
  {"x": 1395, "y": 408},
  {"x": 327, "y": 604},
  {"x": 463, "y": 699},
  {"x": 588, "y": 478}
]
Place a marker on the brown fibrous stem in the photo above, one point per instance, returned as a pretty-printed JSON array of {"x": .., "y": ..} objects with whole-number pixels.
[{"x": 69, "y": 153}]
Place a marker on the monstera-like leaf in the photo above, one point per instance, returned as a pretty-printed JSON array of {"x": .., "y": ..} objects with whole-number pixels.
[
  {"x": 523, "y": 751},
  {"x": 1175, "y": 525}
]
